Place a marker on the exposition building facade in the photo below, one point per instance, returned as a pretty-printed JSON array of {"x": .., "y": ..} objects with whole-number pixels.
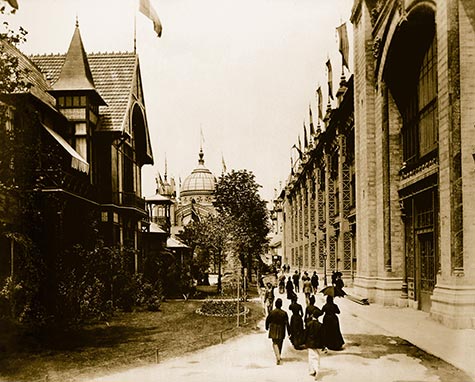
[
  {"x": 383, "y": 193},
  {"x": 414, "y": 119}
]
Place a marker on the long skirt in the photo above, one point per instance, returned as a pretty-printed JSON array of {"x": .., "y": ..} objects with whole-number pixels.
[
  {"x": 332, "y": 337},
  {"x": 296, "y": 331}
]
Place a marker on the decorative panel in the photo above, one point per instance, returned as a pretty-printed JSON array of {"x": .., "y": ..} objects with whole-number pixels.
[
  {"x": 332, "y": 254},
  {"x": 347, "y": 251},
  {"x": 313, "y": 255}
]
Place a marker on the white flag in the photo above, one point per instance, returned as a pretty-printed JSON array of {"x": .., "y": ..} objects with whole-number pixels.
[{"x": 146, "y": 8}]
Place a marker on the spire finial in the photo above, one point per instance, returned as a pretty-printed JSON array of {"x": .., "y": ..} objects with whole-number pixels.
[
  {"x": 77, "y": 21},
  {"x": 166, "y": 167},
  {"x": 201, "y": 155},
  {"x": 202, "y": 138}
]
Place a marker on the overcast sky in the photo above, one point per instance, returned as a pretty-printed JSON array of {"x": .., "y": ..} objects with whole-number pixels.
[{"x": 244, "y": 71}]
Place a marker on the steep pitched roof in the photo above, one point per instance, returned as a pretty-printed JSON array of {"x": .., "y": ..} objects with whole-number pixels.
[
  {"x": 75, "y": 73},
  {"x": 31, "y": 73},
  {"x": 113, "y": 76}
]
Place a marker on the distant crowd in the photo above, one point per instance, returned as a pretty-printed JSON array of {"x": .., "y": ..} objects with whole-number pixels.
[{"x": 305, "y": 330}]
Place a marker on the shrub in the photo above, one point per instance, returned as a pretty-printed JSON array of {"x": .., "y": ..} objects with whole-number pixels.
[
  {"x": 148, "y": 295},
  {"x": 221, "y": 308}
]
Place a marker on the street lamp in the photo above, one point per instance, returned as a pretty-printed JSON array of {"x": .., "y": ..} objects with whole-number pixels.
[{"x": 324, "y": 255}]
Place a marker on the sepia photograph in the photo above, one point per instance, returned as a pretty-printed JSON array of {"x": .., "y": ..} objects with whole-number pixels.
[{"x": 237, "y": 190}]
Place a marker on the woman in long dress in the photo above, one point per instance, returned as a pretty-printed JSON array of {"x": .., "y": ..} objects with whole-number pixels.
[
  {"x": 332, "y": 337},
  {"x": 311, "y": 310},
  {"x": 296, "y": 331},
  {"x": 282, "y": 283},
  {"x": 290, "y": 289}
]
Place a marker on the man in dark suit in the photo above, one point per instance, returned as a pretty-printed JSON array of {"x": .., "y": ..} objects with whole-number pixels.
[
  {"x": 277, "y": 322},
  {"x": 296, "y": 279}
]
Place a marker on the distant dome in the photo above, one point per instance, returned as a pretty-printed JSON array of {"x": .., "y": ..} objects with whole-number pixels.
[{"x": 200, "y": 182}]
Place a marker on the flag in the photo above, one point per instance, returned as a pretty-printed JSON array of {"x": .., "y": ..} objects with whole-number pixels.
[
  {"x": 159, "y": 182},
  {"x": 13, "y": 3},
  {"x": 299, "y": 151},
  {"x": 312, "y": 130},
  {"x": 330, "y": 79},
  {"x": 195, "y": 216},
  {"x": 344, "y": 47},
  {"x": 305, "y": 140},
  {"x": 146, "y": 8},
  {"x": 320, "y": 103},
  {"x": 224, "y": 164}
]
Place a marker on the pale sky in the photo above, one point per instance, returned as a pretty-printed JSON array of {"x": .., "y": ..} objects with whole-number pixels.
[{"x": 244, "y": 71}]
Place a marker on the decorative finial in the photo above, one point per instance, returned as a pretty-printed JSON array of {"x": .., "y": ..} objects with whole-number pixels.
[
  {"x": 201, "y": 155},
  {"x": 77, "y": 21}
]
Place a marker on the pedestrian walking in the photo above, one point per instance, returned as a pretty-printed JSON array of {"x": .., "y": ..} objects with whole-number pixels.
[
  {"x": 310, "y": 310},
  {"x": 281, "y": 283},
  {"x": 269, "y": 297},
  {"x": 277, "y": 322},
  {"x": 290, "y": 288},
  {"x": 339, "y": 284},
  {"x": 296, "y": 279},
  {"x": 314, "y": 281},
  {"x": 296, "y": 332},
  {"x": 333, "y": 278},
  {"x": 314, "y": 342},
  {"x": 307, "y": 290},
  {"x": 332, "y": 337}
]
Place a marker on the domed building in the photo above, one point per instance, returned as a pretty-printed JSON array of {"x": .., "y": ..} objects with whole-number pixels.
[{"x": 196, "y": 194}]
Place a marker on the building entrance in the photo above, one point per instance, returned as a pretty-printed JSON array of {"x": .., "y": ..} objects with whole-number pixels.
[
  {"x": 426, "y": 269},
  {"x": 421, "y": 248}
]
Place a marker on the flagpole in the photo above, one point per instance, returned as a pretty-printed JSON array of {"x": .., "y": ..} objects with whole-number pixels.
[{"x": 135, "y": 30}]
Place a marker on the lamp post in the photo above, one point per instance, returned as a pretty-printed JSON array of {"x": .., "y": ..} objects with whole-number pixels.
[{"x": 324, "y": 268}]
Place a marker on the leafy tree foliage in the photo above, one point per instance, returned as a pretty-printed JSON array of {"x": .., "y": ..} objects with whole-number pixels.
[
  {"x": 211, "y": 239},
  {"x": 237, "y": 198},
  {"x": 12, "y": 76}
]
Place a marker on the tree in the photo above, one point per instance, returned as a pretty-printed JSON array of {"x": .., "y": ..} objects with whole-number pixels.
[
  {"x": 12, "y": 77},
  {"x": 237, "y": 198},
  {"x": 211, "y": 238}
]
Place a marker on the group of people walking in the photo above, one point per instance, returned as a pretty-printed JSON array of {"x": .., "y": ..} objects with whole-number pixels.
[{"x": 304, "y": 328}]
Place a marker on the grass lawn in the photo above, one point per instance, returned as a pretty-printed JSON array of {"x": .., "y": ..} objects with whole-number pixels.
[{"x": 128, "y": 340}]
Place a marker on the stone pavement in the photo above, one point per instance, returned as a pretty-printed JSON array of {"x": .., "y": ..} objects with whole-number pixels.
[
  {"x": 455, "y": 346},
  {"x": 372, "y": 353}
]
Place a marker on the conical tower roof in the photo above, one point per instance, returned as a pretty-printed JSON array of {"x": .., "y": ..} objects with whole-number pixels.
[{"x": 76, "y": 74}]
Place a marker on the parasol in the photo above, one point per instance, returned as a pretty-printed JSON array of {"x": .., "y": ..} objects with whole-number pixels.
[{"x": 333, "y": 291}]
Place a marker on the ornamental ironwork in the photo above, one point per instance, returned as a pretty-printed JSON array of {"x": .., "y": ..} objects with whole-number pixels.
[
  {"x": 332, "y": 249},
  {"x": 347, "y": 251},
  {"x": 346, "y": 175}
]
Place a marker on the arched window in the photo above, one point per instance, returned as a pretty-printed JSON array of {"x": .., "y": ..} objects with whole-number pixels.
[
  {"x": 420, "y": 129},
  {"x": 411, "y": 73}
]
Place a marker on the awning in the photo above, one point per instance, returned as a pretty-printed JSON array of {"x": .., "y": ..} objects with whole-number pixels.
[
  {"x": 158, "y": 199},
  {"x": 155, "y": 228},
  {"x": 174, "y": 243},
  {"x": 77, "y": 161}
]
